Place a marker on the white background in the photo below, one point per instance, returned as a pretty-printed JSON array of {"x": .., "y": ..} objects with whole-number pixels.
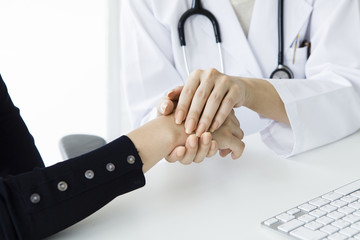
[{"x": 54, "y": 62}]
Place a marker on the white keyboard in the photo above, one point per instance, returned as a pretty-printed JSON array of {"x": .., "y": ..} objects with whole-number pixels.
[{"x": 334, "y": 216}]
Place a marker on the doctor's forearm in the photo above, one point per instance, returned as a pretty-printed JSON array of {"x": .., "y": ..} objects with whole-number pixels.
[{"x": 263, "y": 98}]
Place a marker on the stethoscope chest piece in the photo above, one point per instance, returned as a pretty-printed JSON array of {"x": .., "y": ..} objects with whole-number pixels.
[{"x": 282, "y": 72}]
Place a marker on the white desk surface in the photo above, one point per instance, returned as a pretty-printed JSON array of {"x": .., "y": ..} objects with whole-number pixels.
[{"x": 222, "y": 198}]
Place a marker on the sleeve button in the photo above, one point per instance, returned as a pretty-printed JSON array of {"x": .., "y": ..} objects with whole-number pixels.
[
  {"x": 89, "y": 174},
  {"x": 35, "y": 198},
  {"x": 131, "y": 159},
  {"x": 62, "y": 186},
  {"x": 110, "y": 167}
]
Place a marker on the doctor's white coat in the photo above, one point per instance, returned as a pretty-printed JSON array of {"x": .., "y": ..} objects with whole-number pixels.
[{"x": 322, "y": 102}]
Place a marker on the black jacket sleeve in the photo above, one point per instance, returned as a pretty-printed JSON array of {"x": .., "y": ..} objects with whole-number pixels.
[
  {"x": 44, "y": 201},
  {"x": 36, "y": 202},
  {"x": 18, "y": 153}
]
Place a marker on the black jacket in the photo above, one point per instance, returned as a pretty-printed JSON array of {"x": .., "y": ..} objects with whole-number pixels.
[{"x": 36, "y": 202}]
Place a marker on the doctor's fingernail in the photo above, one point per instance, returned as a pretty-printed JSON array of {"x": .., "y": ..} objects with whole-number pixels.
[
  {"x": 193, "y": 141},
  {"x": 180, "y": 152},
  {"x": 189, "y": 126},
  {"x": 163, "y": 107},
  {"x": 200, "y": 130},
  {"x": 179, "y": 117},
  {"x": 206, "y": 138},
  {"x": 214, "y": 126},
  {"x": 170, "y": 93}
]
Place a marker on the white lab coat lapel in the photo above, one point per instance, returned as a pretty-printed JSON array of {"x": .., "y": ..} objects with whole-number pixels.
[
  {"x": 263, "y": 37},
  {"x": 234, "y": 42}
]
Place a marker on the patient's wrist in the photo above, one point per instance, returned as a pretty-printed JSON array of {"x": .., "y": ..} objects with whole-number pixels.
[{"x": 174, "y": 134}]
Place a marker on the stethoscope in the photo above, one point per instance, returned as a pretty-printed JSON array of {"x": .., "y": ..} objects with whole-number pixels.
[{"x": 281, "y": 71}]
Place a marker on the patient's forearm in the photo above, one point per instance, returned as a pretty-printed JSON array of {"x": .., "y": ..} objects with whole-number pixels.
[{"x": 156, "y": 139}]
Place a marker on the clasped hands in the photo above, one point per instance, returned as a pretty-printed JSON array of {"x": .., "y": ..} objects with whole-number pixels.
[{"x": 206, "y": 103}]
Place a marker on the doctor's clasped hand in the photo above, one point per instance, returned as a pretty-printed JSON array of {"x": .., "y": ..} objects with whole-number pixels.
[
  {"x": 227, "y": 137},
  {"x": 209, "y": 96}
]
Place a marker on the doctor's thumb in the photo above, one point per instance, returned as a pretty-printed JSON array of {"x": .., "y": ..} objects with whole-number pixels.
[{"x": 166, "y": 107}]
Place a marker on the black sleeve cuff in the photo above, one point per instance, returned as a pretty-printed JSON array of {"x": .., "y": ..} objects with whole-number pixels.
[{"x": 47, "y": 200}]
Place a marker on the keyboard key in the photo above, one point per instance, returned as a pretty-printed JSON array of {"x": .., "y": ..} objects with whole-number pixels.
[
  {"x": 332, "y": 196},
  {"x": 341, "y": 223},
  {"x": 319, "y": 202},
  {"x": 339, "y": 203},
  {"x": 355, "y": 205},
  {"x": 352, "y": 218},
  {"x": 270, "y": 221},
  {"x": 335, "y": 215},
  {"x": 307, "y": 207},
  {"x": 328, "y": 208},
  {"x": 337, "y": 236},
  {"x": 285, "y": 217},
  {"x": 318, "y": 213},
  {"x": 325, "y": 220},
  {"x": 329, "y": 229},
  {"x": 350, "y": 188},
  {"x": 289, "y": 226},
  {"x": 313, "y": 225},
  {"x": 356, "y": 194},
  {"x": 293, "y": 211},
  {"x": 349, "y": 231},
  {"x": 347, "y": 210},
  {"x": 357, "y": 213},
  {"x": 357, "y": 236},
  {"x": 306, "y": 218},
  {"x": 356, "y": 225},
  {"x": 349, "y": 199},
  {"x": 307, "y": 234}
]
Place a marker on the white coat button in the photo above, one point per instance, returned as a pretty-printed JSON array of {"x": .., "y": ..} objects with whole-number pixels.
[
  {"x": 35, "y": 198},
  {"x": 62, "y": 186},
  {"x": 89, "y": 174},
  {"x": 131, "y": 159},
  {"x": 110, "y": 167}
]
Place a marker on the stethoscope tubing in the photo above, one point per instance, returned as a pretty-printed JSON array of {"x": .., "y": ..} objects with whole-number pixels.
[{"x": 196, "y": 8}]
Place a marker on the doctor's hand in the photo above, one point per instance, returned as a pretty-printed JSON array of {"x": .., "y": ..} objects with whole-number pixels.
[
  {"x": 209, "y": 96},
  {"x": 207, "y": 99},
  {"x": 229, "y": 137},
  {"x": 196, "y": 149}
]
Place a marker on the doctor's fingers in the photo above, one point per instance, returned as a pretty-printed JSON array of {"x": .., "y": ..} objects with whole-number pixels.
[
  {"x": 191, "y": 146},
  {"x": 235, "y": 146},
  {"x": 234, "y": 98},
  {"x": 212, "y": 106},
  {"x": 203, "y": 104},
  {"x": 174, "y": 94},
  {"x": 179, "y": 152},
  {"x": 165, "y": 106},
  {"x": 204, "y": 147},
  {"x": 187, "y": 95},
  {"x": 176, "y": 155},
  {"x": 213, "y": 149}
]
